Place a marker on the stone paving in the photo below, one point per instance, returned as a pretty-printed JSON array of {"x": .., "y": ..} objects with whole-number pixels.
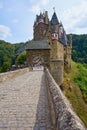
[{"x": 24, "y": 104}]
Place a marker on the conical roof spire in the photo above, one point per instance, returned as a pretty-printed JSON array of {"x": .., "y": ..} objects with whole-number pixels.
[{"x": 54, "y": 19}]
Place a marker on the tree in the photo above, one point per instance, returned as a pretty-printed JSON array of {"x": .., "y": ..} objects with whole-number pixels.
[
  {"x": 21, "y": 58},
  {"x": 5, "y": 66},
  {"x": 79, "y": 48}
]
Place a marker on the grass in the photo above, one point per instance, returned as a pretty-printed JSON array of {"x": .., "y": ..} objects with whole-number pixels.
[
  {"x": 75, "y": 88},
  {"x": 81, "y": 78}
]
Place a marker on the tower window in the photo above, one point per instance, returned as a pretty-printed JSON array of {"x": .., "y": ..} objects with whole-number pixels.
[{"x": 54, "y": 36}]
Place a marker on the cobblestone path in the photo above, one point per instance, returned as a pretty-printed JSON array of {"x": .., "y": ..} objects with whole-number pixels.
[{"x": 24, "y": 103}]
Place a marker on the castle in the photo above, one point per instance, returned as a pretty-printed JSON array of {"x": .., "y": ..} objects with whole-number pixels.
[{"x": 50, "y": 46}]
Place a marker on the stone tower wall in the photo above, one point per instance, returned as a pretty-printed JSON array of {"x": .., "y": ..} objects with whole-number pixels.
[
  {"x": 40, "y": 31},
  {"x": 68, "y": 56},
  {"x": 57, "y": 61},
  {"x": 56, "y": 69},
  {"x": 57, "y": 50},
  {"x": 45, "y": 54}
]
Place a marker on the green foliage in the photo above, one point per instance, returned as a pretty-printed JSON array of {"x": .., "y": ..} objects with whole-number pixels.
[
  {"x": 21, "y": 58},
  {"x": 8, "y": 53},
  {"x": 81, "y": 79},
  {"x": 5, "y": 66},
  {"x": 79, "y": 48},
  {"x": 76, "y": 89}
]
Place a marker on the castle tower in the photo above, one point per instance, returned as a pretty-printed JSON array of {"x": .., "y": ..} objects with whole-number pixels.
[
  {"x": 55, "y": 22},
  {"x": 56, "y": 52},
  {"x": 41, "y": 26},
  {"x": 51, "y": 41}
]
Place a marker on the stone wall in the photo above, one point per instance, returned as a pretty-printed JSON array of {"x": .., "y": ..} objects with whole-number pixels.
[
  {"x": 56, "y": 69},
  {"x": 66, "y": 118},
  {"x": 40, "y": 31},
  {"x": 11, "y": 74},
  {"x": 44, "y": 54},
  {"x": 57, "y": 50}
]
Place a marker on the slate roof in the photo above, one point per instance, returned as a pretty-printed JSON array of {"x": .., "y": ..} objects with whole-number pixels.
[
  {"x": 35, "y": 45},
  {"x": 54, "y": 19},
  {"x": 41, "y": 16},
  {"x": 53, "y": 29},
  {"x": 63, "y": 39}
]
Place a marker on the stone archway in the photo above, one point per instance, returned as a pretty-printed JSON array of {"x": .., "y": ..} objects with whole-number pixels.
[
  {"x": 37, "y": 62},
  {"x": 36, "y": 57}
]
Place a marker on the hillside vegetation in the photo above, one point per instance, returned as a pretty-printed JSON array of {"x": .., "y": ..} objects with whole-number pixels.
[
  {"x": 79, "y": 48},
  {"x": 75, "y": 88},
  {"x": 8, "y": 53}
]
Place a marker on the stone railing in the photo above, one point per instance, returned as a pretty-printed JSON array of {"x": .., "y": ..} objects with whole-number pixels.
[
  {"x": 66, "y": 118},
  {"x": 11, "y": 74}
]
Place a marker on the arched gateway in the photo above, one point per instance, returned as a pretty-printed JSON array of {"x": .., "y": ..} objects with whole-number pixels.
[{"x": 38, "y": 54}]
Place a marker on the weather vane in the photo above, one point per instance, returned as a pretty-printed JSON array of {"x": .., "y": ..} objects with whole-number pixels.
[{"x": 54, "y": 9}]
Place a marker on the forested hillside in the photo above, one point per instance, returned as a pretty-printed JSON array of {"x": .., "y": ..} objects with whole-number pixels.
[
  {"x": 8, "y": 52},
  {"x": 79, "y": 48}
]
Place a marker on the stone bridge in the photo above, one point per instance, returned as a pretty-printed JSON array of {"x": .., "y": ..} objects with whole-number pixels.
[{"x": 33, "y": 101}]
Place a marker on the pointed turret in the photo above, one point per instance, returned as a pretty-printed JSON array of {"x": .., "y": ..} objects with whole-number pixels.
[
  {"x": 54, "y": 19},
  {"x": 41, "y": 18},
  {"x": 54, "y": 26},
  {"x": 54, "y": 33}
]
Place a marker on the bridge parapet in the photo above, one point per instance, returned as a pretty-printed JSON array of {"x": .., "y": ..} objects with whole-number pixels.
[
  {"x": 10, "y": 74},
  {"x": 66, "y": 118}
]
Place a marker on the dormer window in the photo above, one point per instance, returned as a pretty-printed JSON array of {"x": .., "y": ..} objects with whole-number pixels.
[
  {"x": 41, "y": 21},
  {"x": 54, "y": 36},
  {"x": 61, "y": 31}
]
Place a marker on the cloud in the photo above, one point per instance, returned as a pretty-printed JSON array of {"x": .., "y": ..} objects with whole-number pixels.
[
  {"x": 35, "y": 9},
  {"x": 40, "y": 2},
  {"x": 43, "y": 2},
  {"x": 75, "y": 19},
  {"x": 5, "y": 31},
  {"x": 37, "y": 5},
  {"x": 15, "y": 20}
]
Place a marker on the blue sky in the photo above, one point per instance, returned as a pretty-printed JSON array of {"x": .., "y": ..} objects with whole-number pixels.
[{"x": 17, "y": 17}]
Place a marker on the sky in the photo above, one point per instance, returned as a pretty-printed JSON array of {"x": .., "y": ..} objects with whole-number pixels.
[{"x": 17, "y": 17}]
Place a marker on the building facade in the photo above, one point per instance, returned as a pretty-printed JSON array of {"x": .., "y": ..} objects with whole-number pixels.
[{"x": 50, "y": 46}]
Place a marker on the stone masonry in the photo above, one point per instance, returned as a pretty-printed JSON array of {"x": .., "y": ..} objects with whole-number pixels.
[
  {"x": 24, "y": 103},
  {"x": 66, "y": 118},
  {"x": 33, "y": 101},
  {"x": 9, "y": 75}
]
